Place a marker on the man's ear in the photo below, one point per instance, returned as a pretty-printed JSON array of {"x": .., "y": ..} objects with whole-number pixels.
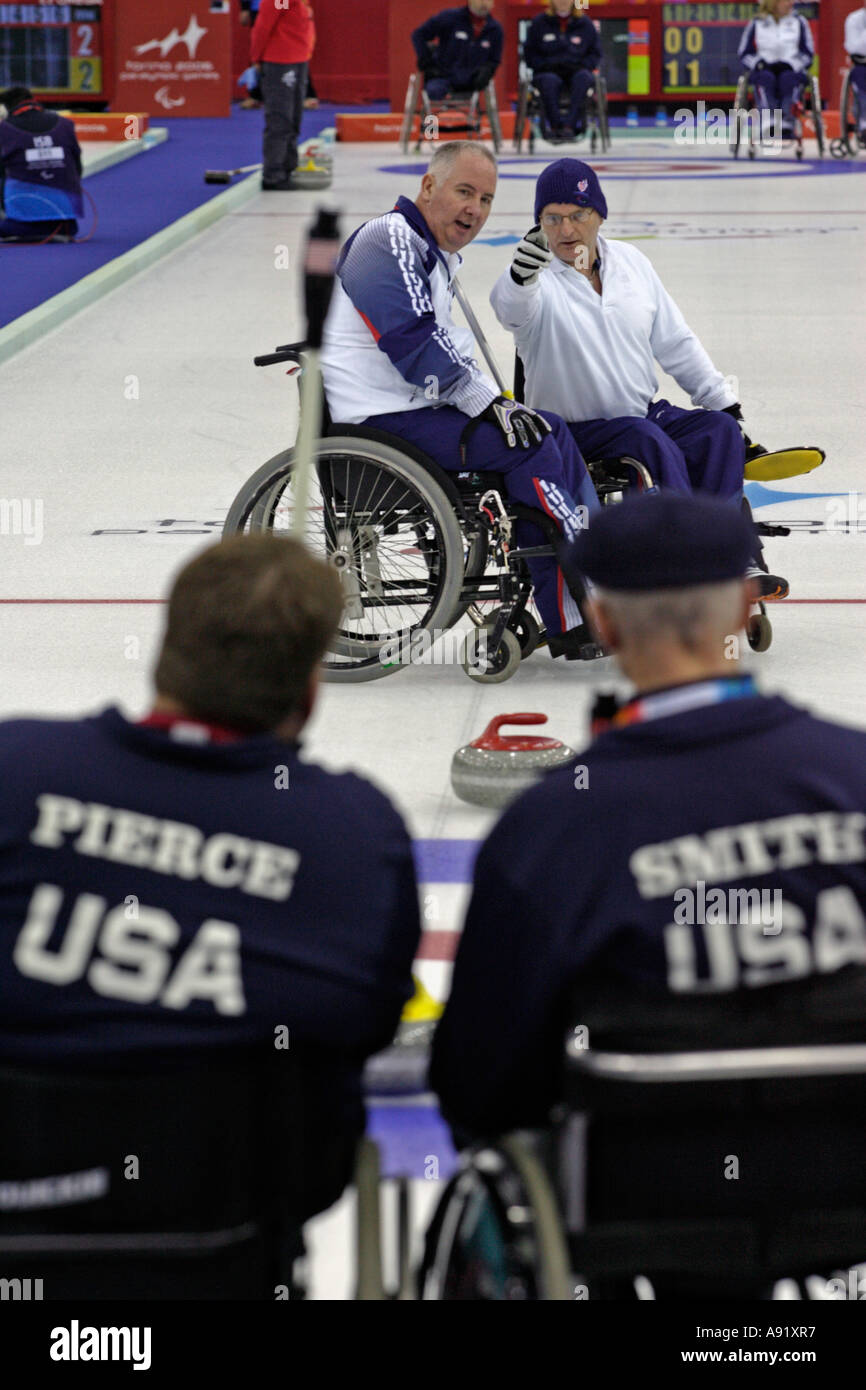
[{"x": 428, "y": 183}]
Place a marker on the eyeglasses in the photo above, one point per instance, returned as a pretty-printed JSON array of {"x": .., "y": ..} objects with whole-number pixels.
[{"x": 555, "y": 219}]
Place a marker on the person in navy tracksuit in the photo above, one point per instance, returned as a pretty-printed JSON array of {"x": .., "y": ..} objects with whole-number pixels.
[
  {"x": 40, "y": 171},
  {"x": 583, "y": 885},
  {"x": 180, "y": 886},
  {"x": 562, "y": 48},
  {"x": 459, "y": 50}
]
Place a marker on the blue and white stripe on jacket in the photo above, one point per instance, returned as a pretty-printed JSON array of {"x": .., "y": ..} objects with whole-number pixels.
[{"x": 390, "y": 343}]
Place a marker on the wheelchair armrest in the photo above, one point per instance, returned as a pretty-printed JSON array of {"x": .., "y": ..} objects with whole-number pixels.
[
  {"x": 289, "y": 352},
  {"x": 729, "y": 1064}
]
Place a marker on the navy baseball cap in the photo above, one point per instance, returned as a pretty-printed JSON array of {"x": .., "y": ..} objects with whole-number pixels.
[
  {"x": 668, "y": 540},
  {"x": 569, "y": 181}
]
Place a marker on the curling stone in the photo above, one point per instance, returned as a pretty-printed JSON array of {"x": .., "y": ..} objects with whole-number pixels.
[
  {"x": 495, "y": 768},
  {"x": 310, "y": 174}
]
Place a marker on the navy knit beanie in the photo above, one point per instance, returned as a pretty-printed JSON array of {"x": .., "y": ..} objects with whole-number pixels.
[{"x": 569, "y": 181}]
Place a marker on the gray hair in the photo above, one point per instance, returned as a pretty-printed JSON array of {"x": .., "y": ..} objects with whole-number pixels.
[
  {"x": 446, "y": 155},
  {"x": 691, "y": 617}
]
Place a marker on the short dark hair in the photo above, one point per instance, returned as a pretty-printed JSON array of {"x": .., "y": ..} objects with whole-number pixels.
[
  {"x": 13, "y": 96},
  {"x": 248, "y": 620}
]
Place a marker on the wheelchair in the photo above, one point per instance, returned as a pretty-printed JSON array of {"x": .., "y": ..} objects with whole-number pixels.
[
  {"x": 850, "y": 140},
  {"x": 419, "y": 549},
  {"x": 627, "y": 1195},
  {"x": 465, "y": 108},
  {"x": 530, "y": 112},
  {"x": 746, "y": 114}
]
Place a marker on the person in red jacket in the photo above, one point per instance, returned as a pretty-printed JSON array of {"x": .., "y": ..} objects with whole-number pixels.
[{"x": 281, "y": 46}]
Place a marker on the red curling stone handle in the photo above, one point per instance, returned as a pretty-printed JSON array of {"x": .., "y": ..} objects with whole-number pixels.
[{"x": 492, "y": 741}]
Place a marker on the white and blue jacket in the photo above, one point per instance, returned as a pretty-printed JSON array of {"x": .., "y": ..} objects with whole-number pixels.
[
  {"x": 390, "y": 343},
  {"x": 770, "y": 40}
]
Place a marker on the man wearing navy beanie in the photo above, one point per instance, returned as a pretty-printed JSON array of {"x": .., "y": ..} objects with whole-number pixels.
[
  {"x": 698, "y": 791},
  {"x": 589, "y": 332}
]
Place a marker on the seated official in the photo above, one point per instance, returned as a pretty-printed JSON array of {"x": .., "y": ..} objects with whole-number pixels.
[
  {"x": 855, "y": 47},
  {"x": 562, "y": 47},
  {"x": 590, "y": 317},
  {"x": 592, "y": 885},
  {"x": 777, "y": 49},
  {"x": 394, "y": 358},
  {"x": 186, "y": 884},
  {"x": 40, "y": 171},
  {"x": 459, "y": 50}
]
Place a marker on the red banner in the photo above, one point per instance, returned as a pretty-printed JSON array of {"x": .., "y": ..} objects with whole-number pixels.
[{"x": 174, "y": 57}]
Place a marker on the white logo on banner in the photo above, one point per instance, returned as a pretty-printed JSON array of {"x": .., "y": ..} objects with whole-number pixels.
[
  {"x": 165, "y": 100},
  {"x": 192, "y": 38}
]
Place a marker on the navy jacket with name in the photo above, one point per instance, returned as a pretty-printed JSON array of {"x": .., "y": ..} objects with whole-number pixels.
[
  {"x": 459, "y": 55},
  {"x": 550, "y": 47},
  {"x": 40, "y": 166},
  {"x": 625, "y": 871},
  {"x": 160, "y": 896}
]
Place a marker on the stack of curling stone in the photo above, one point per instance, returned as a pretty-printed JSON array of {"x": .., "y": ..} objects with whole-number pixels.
[{"x": 495, "y": 768}]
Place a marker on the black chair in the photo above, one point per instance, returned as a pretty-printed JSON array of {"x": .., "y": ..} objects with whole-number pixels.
[
  {"x": 190, "y": 1180},
  {"x": 711, "y": 1173}
]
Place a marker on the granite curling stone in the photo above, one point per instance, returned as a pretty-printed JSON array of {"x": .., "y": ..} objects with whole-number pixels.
[{"x": 495, "y": 768}]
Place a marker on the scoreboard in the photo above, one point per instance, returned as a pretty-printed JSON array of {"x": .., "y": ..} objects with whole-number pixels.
[
  {"x": 658, "y": 50},
  {"x": 700, "y": 43},
  {"x": 57, "y": 50}
]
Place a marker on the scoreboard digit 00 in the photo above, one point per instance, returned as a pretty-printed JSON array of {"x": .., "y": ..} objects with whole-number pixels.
[
  {"x": 54, "y": 49},
  {"x": 700, "y": 43}
]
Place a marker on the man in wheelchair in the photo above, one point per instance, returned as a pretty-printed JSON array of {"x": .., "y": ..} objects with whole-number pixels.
[
  {"x": 589, "y": 318},
  {"x": 562, "y": 48},
  {"x": 777, "y": 50},
  {"x": 698, "y": 792},
  {"x": 393, "y": 358},
  {"x": 459, "y": 50}
]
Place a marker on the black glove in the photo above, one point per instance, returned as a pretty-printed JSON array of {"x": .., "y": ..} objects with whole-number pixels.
[
  {"x": 759, "y": 66},
  {"x": 531, "y": 256},
  {"x": 483, "y": 76},
  {"x": 516, "y": 421},
  {"x": 521, "y": 427},
  {"x": 857, "y": 57}
]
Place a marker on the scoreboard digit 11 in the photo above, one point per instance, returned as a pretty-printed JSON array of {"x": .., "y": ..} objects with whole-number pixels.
[{"x": 54, "y": 49}]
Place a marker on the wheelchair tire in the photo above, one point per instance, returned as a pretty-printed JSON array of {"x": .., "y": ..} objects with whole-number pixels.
[
  {"x": 817, "y": 115},
  {"x": 849, "y": 113},
  {"x": 601, "y": 107},
  {"x": 759, "y": 632},
  {"x": 369, "y": 505},
  {"x": 496, "y": 669}
]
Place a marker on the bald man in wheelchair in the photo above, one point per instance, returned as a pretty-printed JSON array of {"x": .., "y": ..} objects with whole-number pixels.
[{"x": 590, "y": 317}]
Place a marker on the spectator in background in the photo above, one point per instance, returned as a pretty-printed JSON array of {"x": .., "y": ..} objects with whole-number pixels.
[
  {"x": 855, "y": 47},
  {"x": 281, "y": 46},
  {"x": 563, "y": 49},
  {"x": 40, "y": 171},
  {"x": 459, "y": 50}
]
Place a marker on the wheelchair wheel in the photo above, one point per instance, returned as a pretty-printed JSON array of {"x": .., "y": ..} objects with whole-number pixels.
[
  {"x": 409, "y": 112},
  {"x": 492, "y": 670},
  {"x": 601, "y": 109},
  {"x": 496, "y": 1235},
  {"x": 388, "y": 528},
  {"x": 521, "y": 117},
  {"x": 759, "y": 631},
  {"x": 817, "y": 114},
  {"x": 740, "y": 114},
  {"x": 849, "y": 114}
]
